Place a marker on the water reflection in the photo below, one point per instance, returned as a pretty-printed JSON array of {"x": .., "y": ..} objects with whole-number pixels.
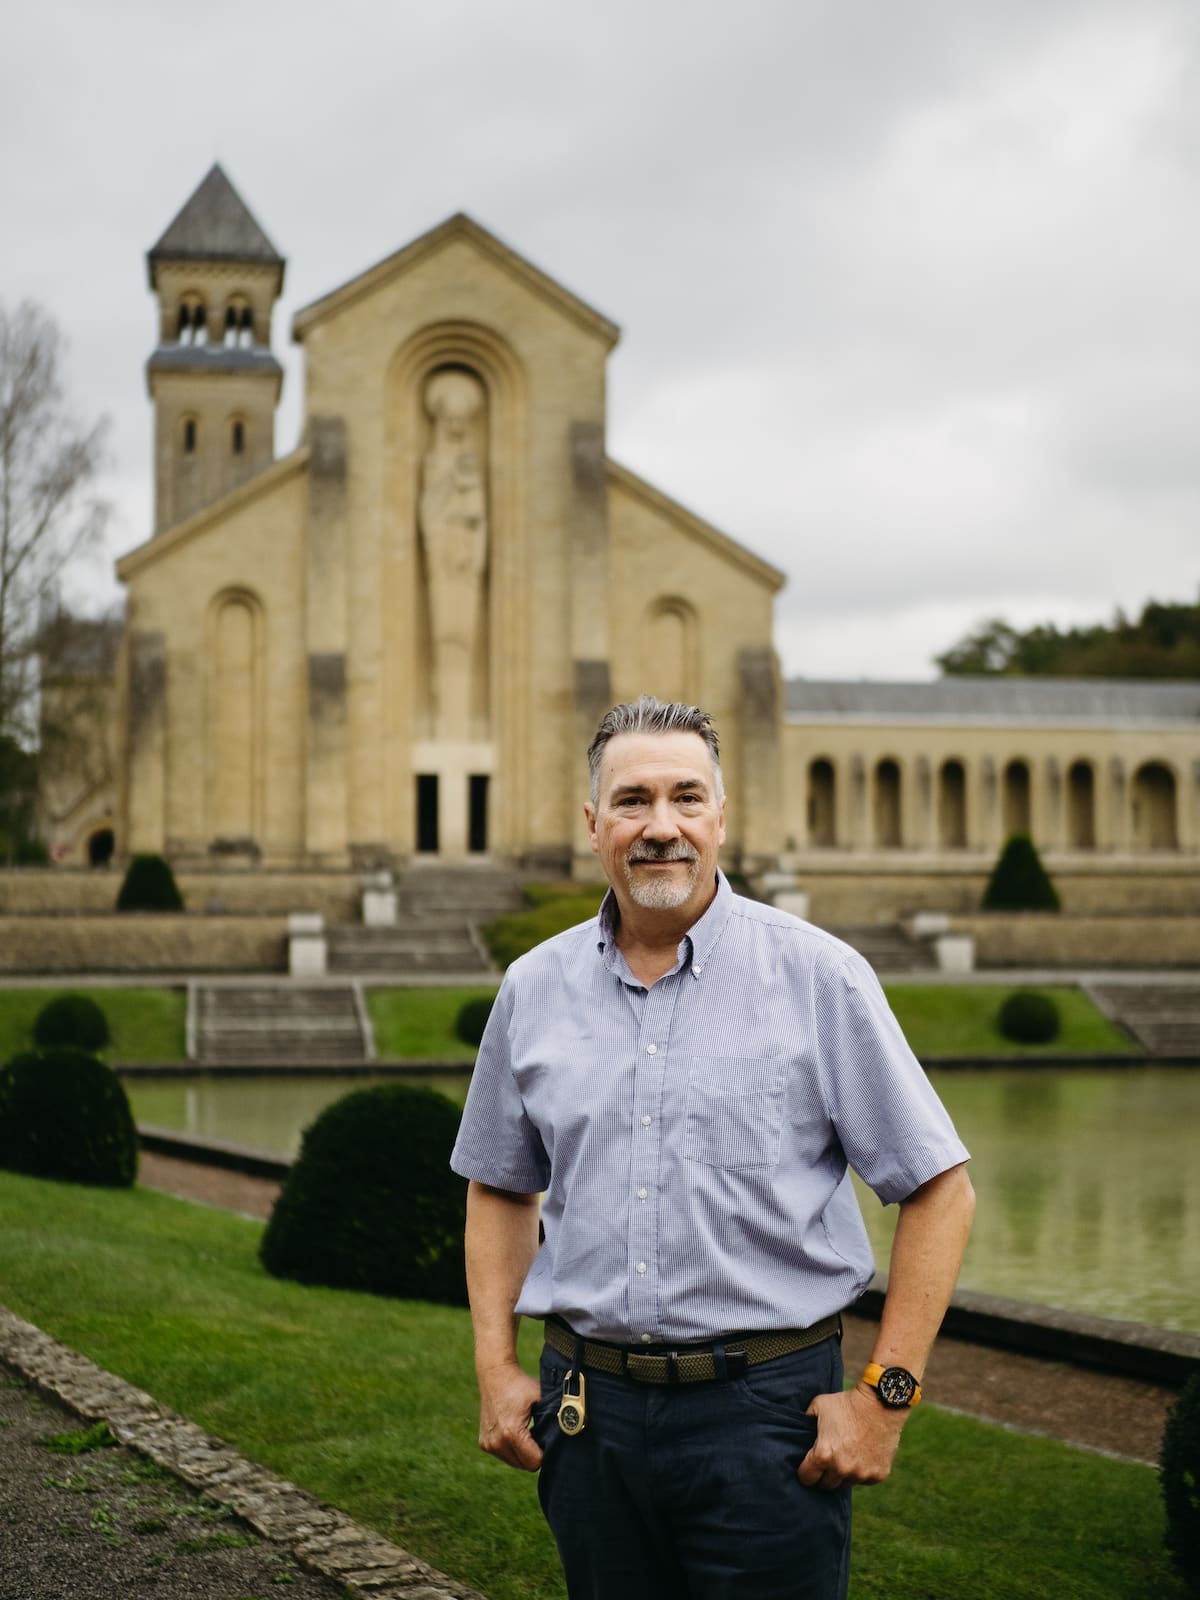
[{"x": 1089, "y": 1190}]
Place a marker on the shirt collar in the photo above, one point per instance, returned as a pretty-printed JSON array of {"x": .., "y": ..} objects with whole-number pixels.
[{"x": 701, "y": 938}]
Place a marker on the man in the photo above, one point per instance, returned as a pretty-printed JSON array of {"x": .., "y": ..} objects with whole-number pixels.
[{"x": 686, "y": 1077}]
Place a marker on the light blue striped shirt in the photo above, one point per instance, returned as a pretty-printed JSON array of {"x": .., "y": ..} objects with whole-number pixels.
[{"x": 692, "y": 1139}]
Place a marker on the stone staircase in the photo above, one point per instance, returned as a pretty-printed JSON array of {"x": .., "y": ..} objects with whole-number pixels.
[
  {"x": 1163, "y": 1017},
  {"x": 888, "y": 948},
  {"x": 439, "y": 912},
  {"x": 277, "y": 1025}
]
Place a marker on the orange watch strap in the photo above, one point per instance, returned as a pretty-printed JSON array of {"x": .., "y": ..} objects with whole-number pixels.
[{"x": 872, "y": 1373}]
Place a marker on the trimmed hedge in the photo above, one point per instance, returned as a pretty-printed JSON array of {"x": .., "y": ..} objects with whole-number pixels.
[
  {"x": 1028, "y": 1017},
  {"x": 74, "y": 1020},
  {"x": 371, "y": 1203},
  {"x": 511, "y": 936},
  {"x": 1019, "y": 882},
  {"x": 1179, "y": 1466},
  {"x": 149, "y": 885},
  {"x": 473, "y": 1017},
  {"x": 64, "y": 1114}
]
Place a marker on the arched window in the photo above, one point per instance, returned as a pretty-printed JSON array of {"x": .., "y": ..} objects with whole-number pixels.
[
  {"x": 190, "y": 435},
  {"x": 193, "y": 320},
  {"x": 822, "y": 804},
  {"x": 237, "y": 436},
  {"x": 239, "y": 322},
  {"x": 1154, "y": 808},
  {"x": 669, "y": 665},
  {"x": 887, "y": 805},
  {"x": 1017, "y": 808},
  {"x": 234, "y": 716},
  {"x": 1081, "y": 806},
  {"x": 952, "y": 806}
]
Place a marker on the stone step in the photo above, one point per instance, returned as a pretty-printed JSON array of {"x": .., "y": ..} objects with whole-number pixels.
[
  {"x": 888, "y": 948},
  {"x": 1163, "y": 1018},
  {"x": 277, "y": 1024}
]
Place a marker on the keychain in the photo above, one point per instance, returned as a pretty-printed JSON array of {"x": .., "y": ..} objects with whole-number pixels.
[{"x": 572, "y": 1412}]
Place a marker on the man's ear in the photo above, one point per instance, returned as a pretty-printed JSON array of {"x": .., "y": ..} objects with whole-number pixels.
[
  {"x": 589, "y": 812},
  {"x": 721, "y": 821}
]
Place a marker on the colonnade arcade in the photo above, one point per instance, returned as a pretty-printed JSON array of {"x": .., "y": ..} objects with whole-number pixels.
[{"x": 891, "y": 802}]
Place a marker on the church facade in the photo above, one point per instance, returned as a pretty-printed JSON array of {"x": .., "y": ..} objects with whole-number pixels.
[{"x": 396, "y": 640}]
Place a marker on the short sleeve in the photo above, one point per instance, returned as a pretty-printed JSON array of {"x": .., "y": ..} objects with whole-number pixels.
[
  {"x": 497, "y": 1144},
  {"x": 893, "y": 1128}
]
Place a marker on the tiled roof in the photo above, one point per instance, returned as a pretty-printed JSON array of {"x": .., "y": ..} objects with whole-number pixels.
[
  {"x": 997, "y": 699},
  {"x": 215, "y": 225}
]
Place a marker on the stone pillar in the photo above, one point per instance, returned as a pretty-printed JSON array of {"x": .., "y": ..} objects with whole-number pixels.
[
  {"x": 1120, "y": 826},
  {"x": 1055, "y": 834},
  {"x": 759, "y": 718},
  {"x": 990, "y": 820},
  {"x": 589, "y": 611},
  {"x": 925, "y": 826},
  {"x": 326, "y": 624},
  {"x": 858, "y": 835},
  {"x": 146, "y": 734}
]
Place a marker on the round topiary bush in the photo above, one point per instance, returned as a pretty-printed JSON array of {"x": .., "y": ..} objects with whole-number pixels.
[
  {"x": 71, "y": 1019},
  {"x": 371, "y": 1203},
  {"x": 1019, "y": 882},
  {"x": 149, "y": 885},
  {"x": 1179, "y": 1474},
  {"x": 1028, "y": 1017},
  {"x": 63, "y": 1114},
  {"x": 473, "y": 1017}
]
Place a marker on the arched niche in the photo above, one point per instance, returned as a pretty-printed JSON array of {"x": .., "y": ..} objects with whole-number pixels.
[
  {"x": 234, "y": 719},
  {"x": 1155, "y": 807},
  {"x": 952, "y": 805},
  {"x": 669, "y": 647},
  {"x": 1017, "y": 809},
  {"x": 822, "y": 804},
  {"x": 887, "y": 807},
  {"x": 1081, "y": 806}
]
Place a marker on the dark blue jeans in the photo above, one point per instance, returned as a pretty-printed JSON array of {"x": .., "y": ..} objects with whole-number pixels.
[{"x": 690, "y": 1492}]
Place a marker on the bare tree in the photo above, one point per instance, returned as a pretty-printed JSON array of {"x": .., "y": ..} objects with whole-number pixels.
[{"x": 49, "y": 511}]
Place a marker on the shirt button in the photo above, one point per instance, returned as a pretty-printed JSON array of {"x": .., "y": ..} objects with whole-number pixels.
[
  {"x": 641, "y": 1266},
  {"x": 651, "y": 1049},
  {"x": 645, "y": 1338},
  {"x": 698, "y": 968},
  {"x": 641, "y": 1194},
  {"x": 645, "y": 1122}
]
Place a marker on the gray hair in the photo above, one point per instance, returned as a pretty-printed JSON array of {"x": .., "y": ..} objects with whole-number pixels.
[{"x": 648, "y": 715}]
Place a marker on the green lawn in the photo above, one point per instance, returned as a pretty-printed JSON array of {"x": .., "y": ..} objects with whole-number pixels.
[
  {"x": 146, "y": 1024},
  {"x": 420, "y": 1022},
  {"x": 370, "y": 1404},
  {"x": 954, "y": 1020}
]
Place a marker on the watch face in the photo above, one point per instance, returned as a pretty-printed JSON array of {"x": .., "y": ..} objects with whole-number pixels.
[
  {"x": 897, "y": 1387},
  {"x": 570, "y": 1419}
]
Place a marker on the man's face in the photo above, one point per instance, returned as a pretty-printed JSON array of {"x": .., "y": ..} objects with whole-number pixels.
[{"x": 657, "y": 825}]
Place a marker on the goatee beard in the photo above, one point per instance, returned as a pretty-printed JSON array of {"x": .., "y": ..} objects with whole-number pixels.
[{"x": 657, "y": 892}]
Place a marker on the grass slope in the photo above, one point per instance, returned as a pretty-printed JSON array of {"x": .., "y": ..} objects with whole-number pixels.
[
  {"x": 370, "y": 1404},
  {"x": 146, "y": 1024},
  {"x": 961, "y": 1020}
]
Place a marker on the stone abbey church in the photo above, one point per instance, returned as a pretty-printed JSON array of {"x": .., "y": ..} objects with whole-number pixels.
[{"x": 395, "y": 641}]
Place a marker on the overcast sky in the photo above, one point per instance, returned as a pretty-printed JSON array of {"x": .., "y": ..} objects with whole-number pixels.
[{"x": 908, "y": 290}]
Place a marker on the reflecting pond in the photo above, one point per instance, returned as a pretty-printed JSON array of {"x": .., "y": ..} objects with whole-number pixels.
[{"x": 1088, "y": 1179}]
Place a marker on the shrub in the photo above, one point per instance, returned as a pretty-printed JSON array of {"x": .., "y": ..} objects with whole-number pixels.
[
  {"x": 473, "y": 1017},
  {"x": 63, "y": 1114},
  {"x": 370, "y": 1202},
  {"x": 71, "y": 1019},
  {"x": 149, "y": 885},
  {"x": 511, "y": 936},
  {"x": 1179, "y": 1466},
  {"x": 1019, "y": 882},
  {"x": 1028, "y": 1017}
]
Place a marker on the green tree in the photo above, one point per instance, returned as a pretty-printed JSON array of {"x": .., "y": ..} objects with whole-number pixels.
[{"x": 1164, "y": 642}]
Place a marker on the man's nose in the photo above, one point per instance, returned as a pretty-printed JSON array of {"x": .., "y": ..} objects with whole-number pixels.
[{"x": 661, "y": 823}]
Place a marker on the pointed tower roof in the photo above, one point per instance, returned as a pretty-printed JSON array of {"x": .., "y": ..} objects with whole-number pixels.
[{"x": 214, "y": 225}]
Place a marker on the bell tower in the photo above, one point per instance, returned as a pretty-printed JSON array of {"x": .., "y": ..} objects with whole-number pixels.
[{"x": 212, "y": 378}]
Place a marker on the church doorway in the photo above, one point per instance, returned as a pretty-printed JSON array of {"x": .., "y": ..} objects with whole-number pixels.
[
  {"x": 477, "y": 812},
  {"x": 100, "y": 847},
  {"x": 427, "y": 813}
]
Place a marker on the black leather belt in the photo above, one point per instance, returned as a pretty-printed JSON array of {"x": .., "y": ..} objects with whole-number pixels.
[{"x": 691, "y": 1363}]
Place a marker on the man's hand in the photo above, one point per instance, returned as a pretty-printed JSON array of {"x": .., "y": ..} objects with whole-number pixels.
[
  {"x": 856, "y": 1440},
  {"x": 507, "y": 1396}
]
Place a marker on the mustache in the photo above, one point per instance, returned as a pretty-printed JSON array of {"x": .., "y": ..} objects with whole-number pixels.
[{"x": 670, "y": 850}]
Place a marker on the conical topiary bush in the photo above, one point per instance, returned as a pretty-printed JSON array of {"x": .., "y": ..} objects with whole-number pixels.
[{"x": 1019, "y": 882}]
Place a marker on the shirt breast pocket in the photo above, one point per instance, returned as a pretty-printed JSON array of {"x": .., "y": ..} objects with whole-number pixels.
[{"x": 734, "y": 1111}]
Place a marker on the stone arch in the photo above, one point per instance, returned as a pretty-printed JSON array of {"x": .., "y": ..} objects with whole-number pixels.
[
  {"x": 1155, "y": 807},
  {"x": 952, "y": 805},
  {"x": 234, "y": 720},
  {"x": 822, "y": 803},
  {"x": 100, "y": 844},
  {"x": 670, "y": 636},
  {"x": 888, "y": 812},
  {"x": 191, "y": 318},
  {"x": 1017, "y": 804},
  {"x": 503, "y": 675},
  {"x": 1081, "y": 806}
]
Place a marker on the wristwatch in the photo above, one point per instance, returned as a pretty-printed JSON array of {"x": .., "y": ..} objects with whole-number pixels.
[{"x": 895, "y": 1386}]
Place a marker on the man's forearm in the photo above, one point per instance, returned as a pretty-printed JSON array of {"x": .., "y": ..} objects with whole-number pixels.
[
  {"x": 501, "y": 1242},
  {"x": 927, "y": 1252}
]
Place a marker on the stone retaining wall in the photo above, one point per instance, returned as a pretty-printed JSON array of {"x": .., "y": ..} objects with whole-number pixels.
[
  {"x": 140, "y": 942},
  {"x": 65, "y": 891},
  {"x": 1050, "y": 939}
]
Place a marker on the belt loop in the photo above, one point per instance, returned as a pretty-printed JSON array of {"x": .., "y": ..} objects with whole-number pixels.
[{"x": 720, "y": 1366}]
